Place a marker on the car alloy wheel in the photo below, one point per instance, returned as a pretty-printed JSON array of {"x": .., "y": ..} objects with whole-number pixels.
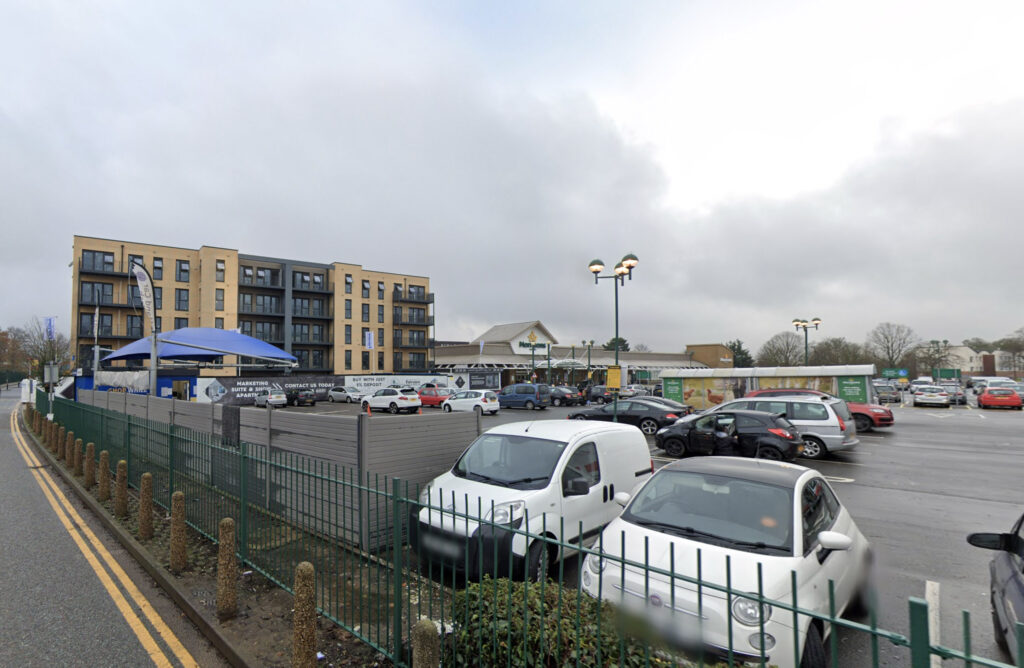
[
  {"x": 863, "y": 423},
  {"x": 580, "y": 417},
  {"x": 330, "y": 398},
  {"x": 674, "y": 447},
  {"x": 769, "y": 452},
  {"x": 813, "y": 448},
  {"x": 648, "y": 426},
  {"x": 529, "y": 405},
  {"x": 366, "y": 406},
  {"x": 600, "y": 400},
  {"x": 447, "y": 408},
  {"x": 393, "y": 408},
  {"x": 556, "y": 401}
]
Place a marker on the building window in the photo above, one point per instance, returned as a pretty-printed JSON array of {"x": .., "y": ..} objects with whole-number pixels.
[
  {"x": 85, "y": 321},
  {"x": 348, "y": 309},
  {"x": 135, "y": 326},
  {"x": 317, "y": 359},
  {"x": 366, "y": 289},
  {"x": 158, "y": 268},
  {"x": 418, "y": 338},
  {"x": 135, "y": 296},
  {"x": 97, "y": 261},
  {"x": 300, "y": 333},
  {"x": 380, "y": 289},
  {"x": 417, "y": 361},
  {"x": 348, "y": 284},
  {"x": 318, "y": 308},
  {"x": 246, "y": 275},
  {"x": 219, "y": 300},
  {"x": 218, "y": 323},
  {"x": 180, "y": 323},
  {"x": 398, "y": 290},
  {"x": 397, "y": 338},
  {"x": 348, "y": 334},
  {"x": 96, "y": 293},
  {"x": 366, "y": 313},
  {"x": 300, "y": 280},
  {"x": 380, "y": 361},
  {"x": 158, "y": 298},
  {"x": 362, "y": 339},
  {"x": 159, "y": 323},
  {"x": 348, "y": 360},
  {"x": 106, "y": 324},
  {"x": 396, "y": 362},
  {"x": 180, "y": 300},
  {"x": 135, "y": 259},
  {"x": 318, "y": 281},
  {"x": 417, "y": 292},
  {"x": 418, "y": 316},
  {"x": 181, "y": 273},
  {"x": 380, "y": 337},
  {"x": 366, "y": 360},
  {"x": 396, "y": 314},
  {"x": 380, "y": 313},
  {"x": 220, "y": 271},
  {"x": 246, "y": 327}
]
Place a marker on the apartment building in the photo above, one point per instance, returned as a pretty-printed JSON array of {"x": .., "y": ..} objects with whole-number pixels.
[{"x": 324, "y": 314}]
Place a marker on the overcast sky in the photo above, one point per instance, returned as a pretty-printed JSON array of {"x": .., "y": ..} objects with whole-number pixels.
[{"x": 859, "y": 162}]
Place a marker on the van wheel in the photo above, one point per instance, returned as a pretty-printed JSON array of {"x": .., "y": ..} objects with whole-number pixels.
[
  {"x": 814, "y": 448},
  {"x": 674, "y": 447},
  {"x": 648, "y": 426},
  {"x": 814, "y": 650},
  {"x": 539, "y": 561},
  {"x": 529, "y": 405},
  {"x": 447, "y": 408},
  {"x": 393, "y": 408},
  {"x": 863, "y": 423}
]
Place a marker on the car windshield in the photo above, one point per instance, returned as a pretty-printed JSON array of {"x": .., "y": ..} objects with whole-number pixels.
[
  {"x": 749, "y": 515},
  {"x": 510, "y": 460}
]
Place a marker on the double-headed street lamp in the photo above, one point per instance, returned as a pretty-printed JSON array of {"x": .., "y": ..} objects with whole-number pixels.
[
  {"x": 623, "y": 269},
  {"x": 798, "y": 323}
]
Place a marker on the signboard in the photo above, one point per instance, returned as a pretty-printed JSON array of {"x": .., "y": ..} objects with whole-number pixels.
[
  {"x": 895, "y": 373},
  {"x": 946, "y": 373},
  {"x": 853, "y": 388},
  {"x": 145, "y": 292},
  {"x": 614, "y": 377},
  {"x": 672, "y": 388},
  {"x": 484, "y": 380}
]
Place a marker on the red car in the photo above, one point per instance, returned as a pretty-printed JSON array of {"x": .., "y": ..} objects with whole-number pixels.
[
  {"x": 1001, "y": 397},
  {"x": 865, "y": 416},
  {"x": 434, "y": 396}
]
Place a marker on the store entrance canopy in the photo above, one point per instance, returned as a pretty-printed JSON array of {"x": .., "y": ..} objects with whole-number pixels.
[{"x": 203, "y": 344}]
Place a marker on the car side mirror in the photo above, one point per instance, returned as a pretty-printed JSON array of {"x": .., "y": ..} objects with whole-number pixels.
[
  {"x": 576, "y": 487},
  {"x": 832, "y": 541},
  {"x": 622, "y": 498},
  {"x": 991, "y": 541}
]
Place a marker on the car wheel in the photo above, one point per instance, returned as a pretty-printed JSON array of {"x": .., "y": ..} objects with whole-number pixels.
[
  {"x": 814, "y": 448},
  {"x": 556, "y": 402},
  {"x": 393, "y": 408},
  {"x": 579, "y": 417},
  {"x": 494, "y": 412},
  {"x": 863, "y": 423},
  {"x": 814, "y": 650},
  {"x": 539, "y": 562},
  {"x": 769, "y": 452},
  {"x": 600, "y": 400},
  {"x": 366, "y": 406},
  {"x": 529, "y": 405},
  {"x": 478, "y": 410},
  {"x": 648, "y": 426},
  {"x": 447, "y": 408},
  {"x": 674, "y": 447},
  {"x": 330, "y": 398}
]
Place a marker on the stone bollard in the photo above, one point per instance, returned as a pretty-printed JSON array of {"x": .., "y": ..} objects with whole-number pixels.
[
  {"x": 426, "y": 644},
  {"x": 104, "y": 493},
  {"x": 48, "y": 434},
  {"x": 304, "y": 617},
  {"x": 90, "y": 465},
  {"x": 69, "y": 455},
  {"x": 37, "y": 422},
  {"x": 146, "y": 506},
  {"x": 69, "y": 440},
  {"x": 62, "y": 435},
  {"x": 121, "y": 490},
  {"x": 227, "y": 572},
  {"x": 178, "y": 556},
  {"x": 78, "y": 457},
  {"x": 58, "y": 448}
]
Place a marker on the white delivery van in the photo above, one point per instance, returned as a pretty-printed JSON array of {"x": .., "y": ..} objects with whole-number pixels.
[{"x": 554, "y": 478}]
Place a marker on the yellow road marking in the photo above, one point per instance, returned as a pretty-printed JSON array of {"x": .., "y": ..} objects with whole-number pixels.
[{"x": 46, "y": 482}]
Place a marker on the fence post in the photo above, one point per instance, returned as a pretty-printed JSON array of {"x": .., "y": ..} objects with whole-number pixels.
[
  {"x": 396, "y": 561},
  {"x": 170, "y": 462},
  {"x": 243, "y": 483},
  {"x": 128, "y": 443},
  {"x": 920, "y": 643}
]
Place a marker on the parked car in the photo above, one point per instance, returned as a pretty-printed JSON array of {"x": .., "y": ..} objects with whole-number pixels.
[
  {"x": 956, "y": 393},
  {"x": 919, "y": 382},
  {"x": 434, "y": 396},
  {"x": 599, "y": 394},
  {"x": 887, "y": 394},
  {"x": 1006, "y": 583},
  {"x": 563, "y": 395},
  {"x": 1019, "y": 389},
  {"x": 537, "y": 476},
  {"x": 657, "y": 390},
  {"x": 633, "y": 391},
  {"x": 768, "y": 521},
  {"x": 865, "y": 416},
  {"x": 393, "y": 400},
  {"x": 741, "y": 433},
  {"x": 825, "y": 423},
  {"x": 677, "y": 408},
  {"x": 481, "y": 401},
  {"x": 344, "y": 393},
  {"x": 648, "y": 416},
  {"x": 525, "y": 395},
  {"x": 930, "y": 395},
  {"x": 301, "y": 396},
  {"x": 267, "y": 398},
  {"x": 999, "y": 397}
]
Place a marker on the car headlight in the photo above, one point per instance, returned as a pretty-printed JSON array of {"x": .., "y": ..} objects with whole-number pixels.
[
  {"x": 507, "y": 512},
  {"x": 878, "y": 410},
  {"x": 662, "y": 430},
  {"x": 595, "y": 564},
  {"x": 748, "y": 611},
  {"x": 425, "y": 495}
]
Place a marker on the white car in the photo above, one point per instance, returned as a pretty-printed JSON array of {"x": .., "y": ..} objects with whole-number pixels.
[
  {"x": 481, "y": 401},
  {"x": 344, "y": 393},
  {"x": 769, "y": 519},
  {"x": 393, "y": 400},
  {"x": 930, "y": 395},
  {"x": 267, "y": 398}
]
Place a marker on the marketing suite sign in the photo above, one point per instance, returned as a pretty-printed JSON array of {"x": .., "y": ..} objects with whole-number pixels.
[{"x": 242, "y": 391}]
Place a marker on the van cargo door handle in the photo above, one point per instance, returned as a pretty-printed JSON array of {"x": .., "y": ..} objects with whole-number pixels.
[{"x": 604, "y": 494}]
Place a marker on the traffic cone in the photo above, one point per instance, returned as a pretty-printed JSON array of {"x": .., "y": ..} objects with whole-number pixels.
[
  {"x": 419, "y": 411},
  {"x": 368, "y": 412}
]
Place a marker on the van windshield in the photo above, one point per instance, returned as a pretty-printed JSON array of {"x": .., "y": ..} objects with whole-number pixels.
[{"x": 522, "y": 462}]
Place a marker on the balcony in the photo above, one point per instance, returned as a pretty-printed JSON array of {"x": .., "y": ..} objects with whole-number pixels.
[
  {"x": 271, "y": 339},
  {"x": 413, "y": 343},
  {"x": 131, "y": 333},
  {"x": 426, "y": 368},
  {"x": 312, "y": 287},
  {"x": 427, "y": 321},
  {"x": 261, "y": 310},
  {"x": 103, "y": 268},
  {"x": 135, "y": 303},
  {"x": 413, "y": 298},
  {"x": 311, "y": 340},
  {"x": 250, "y": 282},
  {"x": 323, "y": 313}
]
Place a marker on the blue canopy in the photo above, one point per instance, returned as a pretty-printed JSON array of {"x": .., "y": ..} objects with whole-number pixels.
[{"x": 201, "y": 344}]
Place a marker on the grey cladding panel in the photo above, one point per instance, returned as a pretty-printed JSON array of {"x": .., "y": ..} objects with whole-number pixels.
[{"x": 418, "y": 448}]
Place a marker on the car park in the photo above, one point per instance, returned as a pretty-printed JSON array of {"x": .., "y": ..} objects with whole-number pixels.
[
  {"x": 344, "y": 393},
  {"x": 537, "y": 477},
  {"x": 740, "y": 433},
  {"x": 268, "y": 398},
  {"x": 434, "y": 396},
  {"x": 999, "y": 397},
  {"x": 865, "y": 416},
  {"x": 1006, "y": 583},
  {"x": 563, "y": 395},
  {"x": 481, "y": 401},
  {"x": 648, "y": 416},
  {"x": 393, "y": 400},
  {"x": 825, "y": 423},
  {"x": 956, "y": 393},
  {"x": 525, "y": 395},
  {"x": 930, "y": 395},
  {"x": 773, "y": 529},
  {"x": 301, "y": 396}
]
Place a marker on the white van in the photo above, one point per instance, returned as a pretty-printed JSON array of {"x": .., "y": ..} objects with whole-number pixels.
[{"x": 555, "y": 478}]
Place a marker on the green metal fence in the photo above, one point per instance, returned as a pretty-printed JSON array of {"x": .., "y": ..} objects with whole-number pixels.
[{"x": 290, "y": 509}]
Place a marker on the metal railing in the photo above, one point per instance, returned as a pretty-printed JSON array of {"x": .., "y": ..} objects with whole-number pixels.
[
  {"x": 412, "y": 297},
  {"x": 290, "y": 508}
]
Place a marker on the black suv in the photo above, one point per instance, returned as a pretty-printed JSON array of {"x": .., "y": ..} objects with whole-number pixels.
[
  {"x": 301, "y": 396},
  {"x": 739, "y": 433}
]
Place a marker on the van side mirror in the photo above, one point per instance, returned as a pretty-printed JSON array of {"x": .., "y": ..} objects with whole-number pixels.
[
  {"x": 991, "y": 541},
  {"x": 622, "y": 498},
  {"x": 576, "y": 487}
]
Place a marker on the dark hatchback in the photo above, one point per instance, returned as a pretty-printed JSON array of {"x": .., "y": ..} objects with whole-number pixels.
[
  {"x": 1007, "y": 584},
  {"x": 565, "y": 396},
  {"x": 301, "y": 396},
  {"x": 599, "y": 394},
  {"x": 737, "y": 433},
  {"x": 647, "y": 415}
]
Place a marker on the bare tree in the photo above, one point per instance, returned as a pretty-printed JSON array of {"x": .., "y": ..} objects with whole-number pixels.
[
  {"x": 837, "y": 350},
  {"x": 891, "y": 342},
  {"x": 641, "y": 348},
  {"x": 783, "y": 349},
  {"x": 39, "y": 349}
]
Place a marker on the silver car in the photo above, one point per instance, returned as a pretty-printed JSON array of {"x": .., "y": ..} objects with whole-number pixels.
[
  {"x": 344, "y": 393},
  {"x": 956, "y": 393},
  {"x": 267, "y": 398},
  {"x": 931, "y": 395}
]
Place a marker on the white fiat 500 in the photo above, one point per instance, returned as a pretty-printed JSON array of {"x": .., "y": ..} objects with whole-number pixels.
[
  {"x": 481, "y": 401},
  {"x": 782, "y": 517}
]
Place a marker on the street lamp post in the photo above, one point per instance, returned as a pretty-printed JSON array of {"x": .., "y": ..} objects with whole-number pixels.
[
  {"x": 623, "y": 269},
  {"x": 798, "y": 323}
]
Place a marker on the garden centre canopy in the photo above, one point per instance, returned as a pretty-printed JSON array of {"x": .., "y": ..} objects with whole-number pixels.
[{"x": 202, "y": 344}]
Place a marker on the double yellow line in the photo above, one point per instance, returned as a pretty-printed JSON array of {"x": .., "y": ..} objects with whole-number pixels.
[{"x": 94, "y": 552}]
